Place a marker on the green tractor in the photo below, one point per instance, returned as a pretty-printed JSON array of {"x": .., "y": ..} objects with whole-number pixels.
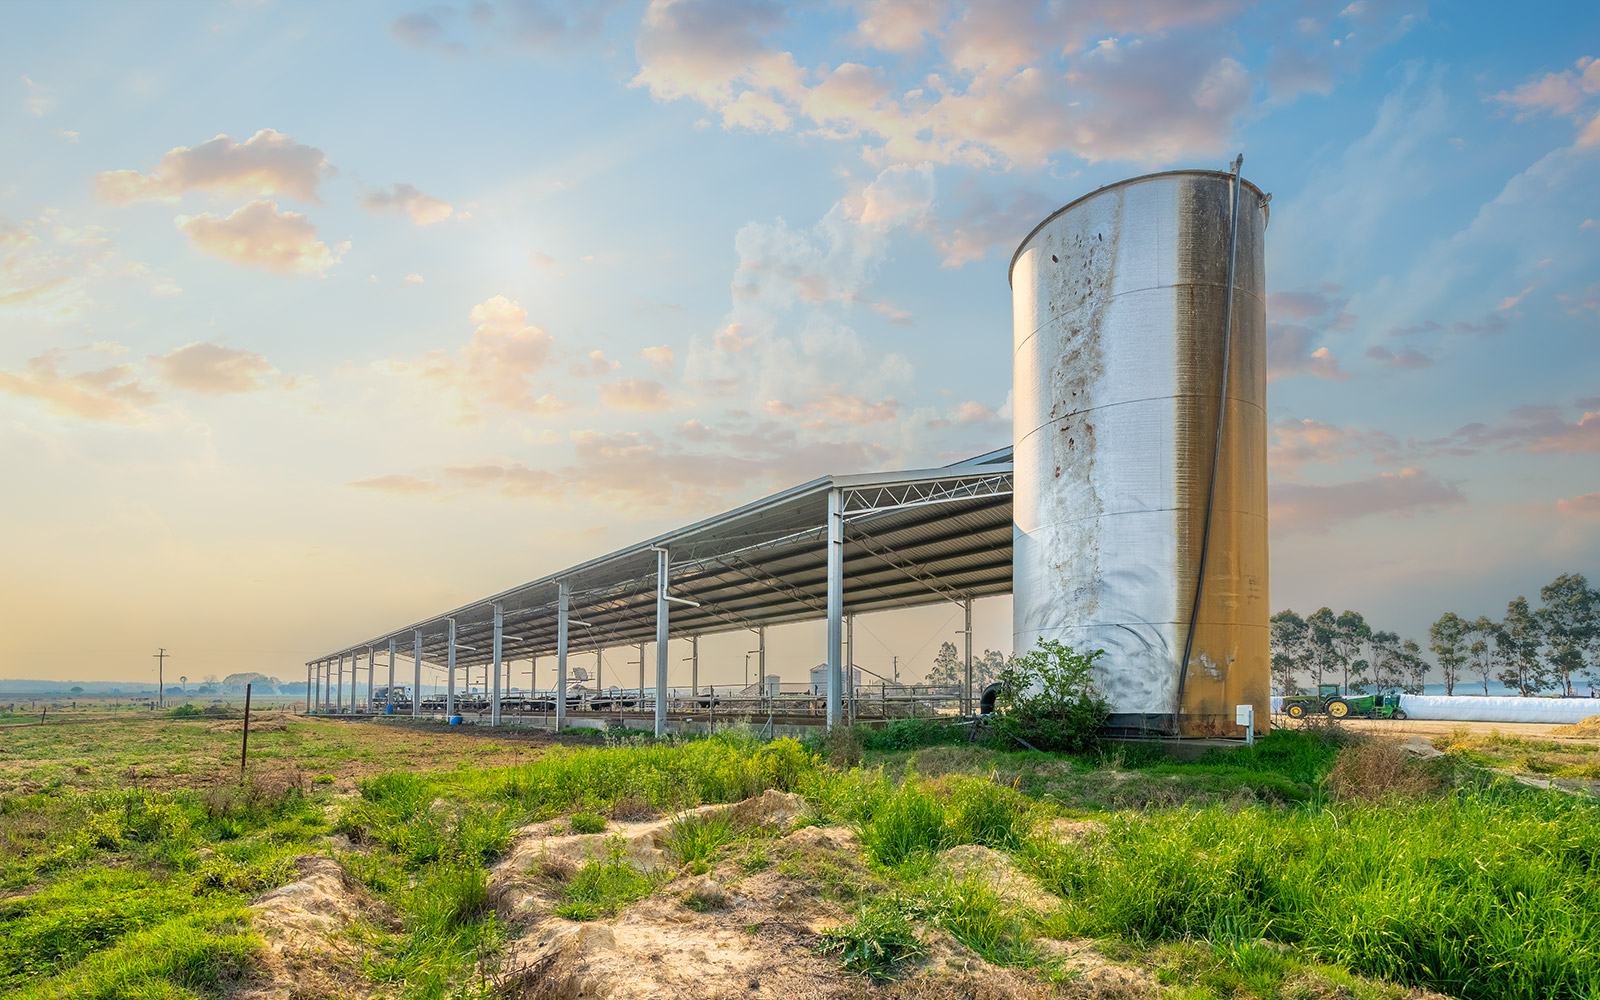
[{"x": 1328, "y": 701}]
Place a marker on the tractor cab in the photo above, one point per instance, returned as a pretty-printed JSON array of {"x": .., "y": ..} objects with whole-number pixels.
[{"x": 1327, "y": 692}]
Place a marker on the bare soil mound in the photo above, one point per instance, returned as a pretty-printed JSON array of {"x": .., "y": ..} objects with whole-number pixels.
[
  {"x": 1588, "y": 728},
  {"x": 306, "y": 925},
  {"x": 1000, "y": 872}
]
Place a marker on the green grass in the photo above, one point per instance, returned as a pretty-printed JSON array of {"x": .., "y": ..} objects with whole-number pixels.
[
  {"x": 1489, "y": 894},
  {"x": 695, "y": 838},
  {"x": 1238, "y": 875},
  {"x": 603, "y": 886},
  {"x": 587, "y": 822}
]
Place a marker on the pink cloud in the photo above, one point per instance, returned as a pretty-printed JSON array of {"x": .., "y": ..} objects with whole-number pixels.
[
  {"x": 266, "y": 164},
  {"x": 1301, "y": 508},
  {"x": 258, "y": 235}
]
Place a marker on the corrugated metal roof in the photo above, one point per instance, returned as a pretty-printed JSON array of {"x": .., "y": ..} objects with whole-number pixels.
[{"x": 911, "y": 538}]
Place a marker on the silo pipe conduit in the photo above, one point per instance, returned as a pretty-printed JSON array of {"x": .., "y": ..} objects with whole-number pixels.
[{"x": 1216, "y": 451}]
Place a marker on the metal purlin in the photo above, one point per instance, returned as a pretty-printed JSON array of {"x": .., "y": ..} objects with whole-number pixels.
[{"x": 1216, "y": 451}]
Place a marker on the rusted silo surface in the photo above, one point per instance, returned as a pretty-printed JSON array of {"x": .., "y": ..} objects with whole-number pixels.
[{"x": 1119, "y": 301}]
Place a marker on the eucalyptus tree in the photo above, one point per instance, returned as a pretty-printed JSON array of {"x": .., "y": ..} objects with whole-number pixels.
[
  {"x": 1351, "y": 631},
  {"x": 1447, "y": 638},
  {"x": 947, "y": 666},
  {"x": 1290, "y": 640},
  {"x": 1483, "y": 633},
  {"x": 1322, "y": 633},
  {"x": 1388, "y": 667},
  {"x": 1518, "y": 647},
  {"x": 1569, "y": 625},
  {"x": 1416, "y": 667}
]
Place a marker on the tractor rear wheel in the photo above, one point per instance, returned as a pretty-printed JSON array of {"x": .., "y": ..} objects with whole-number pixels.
[
  {"x": 1296, "y": 711},
  {"x": 1399, "y": 715},
  {"x": 1338, "y": 708}
]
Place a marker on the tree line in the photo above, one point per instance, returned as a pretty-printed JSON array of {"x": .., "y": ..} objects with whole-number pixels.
[
  {"x": 950, "y": 667},
  {"x": 1530, "y": 650}
]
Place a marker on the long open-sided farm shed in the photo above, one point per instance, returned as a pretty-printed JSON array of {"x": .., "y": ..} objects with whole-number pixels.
[{"x": 838, "y": 545}]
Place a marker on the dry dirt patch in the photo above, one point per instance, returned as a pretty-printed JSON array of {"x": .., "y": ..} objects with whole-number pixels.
[{"x": 306, "y": 925}]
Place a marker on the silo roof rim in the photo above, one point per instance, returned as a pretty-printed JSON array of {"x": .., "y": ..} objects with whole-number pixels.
[{"x": 1116, "y": 184}]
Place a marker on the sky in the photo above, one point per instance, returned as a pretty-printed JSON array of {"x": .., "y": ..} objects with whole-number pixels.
[{"x": 319, "y": 319}]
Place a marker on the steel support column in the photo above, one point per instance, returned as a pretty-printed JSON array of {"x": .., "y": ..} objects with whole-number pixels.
[
  {"x": 662, "y": 564},
  {"x": 499, "y": 629},
  {"x": 450, "y": 669},
  {"x": 639, "y": 705},
  {"x": 372, "y": 668},
  {"x": 966, "y": 689},
  {"x": 761, "y": 661},
  {"x": 416, "y": 677},
  {"x": 388, "y": 696},
  {"x": 850, "y": 666},
  {"x": 835, "y": 602},
  {"x": 563, "y": 608},
  {"x": 694, "y": 665},
  {"x": 308, "y": 689},
  {"x": 338, "y": 692}
]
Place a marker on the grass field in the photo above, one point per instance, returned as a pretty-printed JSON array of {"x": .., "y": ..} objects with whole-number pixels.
[{"x": 1306, "y": 866}]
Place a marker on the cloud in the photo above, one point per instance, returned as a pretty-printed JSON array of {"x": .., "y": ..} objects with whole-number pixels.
[
  {"x": 1540, "y": 429},
  {"x": 710, "y": 49},
  {"x": 47, "y": 268},
  {"x": 1317, "y": 53},
  {"x": 594, "y": 365},
  {"x": 1555, "y": 93},
  {"x": 1319, "y": 312},
  {"x": 258, "y": 235},
  {"x": 1289, "y": 352},
  {"x": 1406, "y": 357},
  {"x": 836, "y": 408},
  {"x": 983, "y": 223},
  {"x": 512, "y": 479},
  {"x": 1012, "y": 84},
  {"x": 1302, "y": 508},
  {"x": 398, "y": 482},
  {"x": 1583, "y": 505},
  {"x": 417, "y": 31},
  {"x": 731, "y": 338},
  {"x": 412, "y": 279},
  {"x": 637, "y": 394},
  {"x": 661, "y": 358},
  {"x": 112, "y": 394},
  {"x": 973, "y": 412},
  {"x": 1297, "y": 443},
  {"x": 547, "y": 25},
  {"x": 65, "y": 133},
  {"x": 266, "y": 164},
  {"x": 213, "y": 369},
  {"x": 899, "y": 25},
  {"x": 699, "y": 470},
  {"x": 495, "y": 369},
  {"x": 425, "y": 210},
  {"x": 38, "y": 102}
]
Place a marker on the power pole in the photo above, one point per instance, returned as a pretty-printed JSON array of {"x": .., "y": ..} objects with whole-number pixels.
[
  {"x": 161, "y": 665},
  {"x": 897, "y": 670}
]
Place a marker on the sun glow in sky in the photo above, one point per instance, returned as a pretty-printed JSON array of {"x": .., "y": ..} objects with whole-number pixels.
[{"x": 321, "y": 318}]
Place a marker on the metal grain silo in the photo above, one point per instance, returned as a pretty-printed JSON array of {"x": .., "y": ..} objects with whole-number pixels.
[{"x": 1119, "y": 305}]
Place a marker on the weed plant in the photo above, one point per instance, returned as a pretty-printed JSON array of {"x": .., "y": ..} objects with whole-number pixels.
[
  {"x": 603, "y": 886},
  {"x": 694, "y": 838},
  {"x": 875, "y": 943}
]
